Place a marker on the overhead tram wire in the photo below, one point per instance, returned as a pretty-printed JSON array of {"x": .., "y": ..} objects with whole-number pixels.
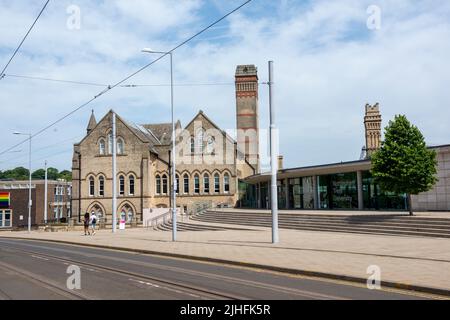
[
  {"x": 110, "y": 87},
  {"x": 122, "y": 86},
  {"x": 23, "y": 40}
]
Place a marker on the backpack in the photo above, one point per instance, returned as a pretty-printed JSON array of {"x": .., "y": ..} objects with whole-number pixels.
[{"x": 94, "y": 221}]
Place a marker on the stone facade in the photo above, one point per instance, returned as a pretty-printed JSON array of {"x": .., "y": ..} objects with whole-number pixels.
[
  {"x": 204, "y": 152},
  {"x": 438, "y": 199}
]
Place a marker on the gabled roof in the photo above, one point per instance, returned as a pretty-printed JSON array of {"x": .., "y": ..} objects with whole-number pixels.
[
  {"x": 213, "y": 124},
  {"x": 162, "y": 131}
]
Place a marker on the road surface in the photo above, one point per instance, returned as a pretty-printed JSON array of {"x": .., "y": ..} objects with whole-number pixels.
[{"x": 34, "y": 270}]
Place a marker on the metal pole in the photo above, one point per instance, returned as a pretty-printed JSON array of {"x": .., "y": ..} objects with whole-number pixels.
[
  {"x": 45, "y": 195},
  {"x": 114, "y": 173},
  {"x": 29, "y": 190},
  {"x": 273, "y": 158},
  {"x": 174, "y": 175}
]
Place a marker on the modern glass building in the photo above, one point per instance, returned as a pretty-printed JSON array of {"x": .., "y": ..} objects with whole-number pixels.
[{"x": 341, "y": 186}]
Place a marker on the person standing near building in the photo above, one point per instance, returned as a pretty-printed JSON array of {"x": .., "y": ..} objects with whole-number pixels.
[
  {"x": 93, "y": 222},
  {"x": 86, "y": 224}
]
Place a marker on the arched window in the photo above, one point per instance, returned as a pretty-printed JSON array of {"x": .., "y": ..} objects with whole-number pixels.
[
  {"x": 91, "y": 186},
  {"x": 131, "y": 186},
  {"x": 122, "y": 185},
  {"x": 102, "y": 147},
  {"x": 226, "y": 183},
  {"x": 192, "y": 141},
  {"x": 186, "y": 184},
  {"x": 158, "y": 184},
  {"x": 199, "y": 141},
  {"x": 211, "y": 145},
  {"x": 164, "y": 184},
  {"x": 197, "y": 184},
  {"x": 110, "y": 143},
  {"x": 178, "y": 184},
  {"x": 216, "y": 183},
  {"x": 127, "y": 213},
  {"x": 206, "y": 183},
  {"x": 101, "y": 186},
  {"x": 120, "y": 146}
]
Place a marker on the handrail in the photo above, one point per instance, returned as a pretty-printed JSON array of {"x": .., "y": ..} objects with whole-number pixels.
[{"x": 154, "y": 221}]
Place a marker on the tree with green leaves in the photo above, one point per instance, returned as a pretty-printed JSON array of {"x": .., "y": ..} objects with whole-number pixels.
[
  {"x": 38, "y": 174},
  {"x": 19, "y": 173},
  {"x": 404, "y": 164},
  {"x": 66, "y": 175}
]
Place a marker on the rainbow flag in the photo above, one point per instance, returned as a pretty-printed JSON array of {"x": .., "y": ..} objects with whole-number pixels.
[{"x": 4, "y": 200}]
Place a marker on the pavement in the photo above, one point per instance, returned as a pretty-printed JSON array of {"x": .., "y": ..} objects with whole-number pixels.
[{"x": 405, "y": 262}]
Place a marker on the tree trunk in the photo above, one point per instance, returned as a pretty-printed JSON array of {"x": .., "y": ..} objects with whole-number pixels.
[{"x": 411, "y": 213}]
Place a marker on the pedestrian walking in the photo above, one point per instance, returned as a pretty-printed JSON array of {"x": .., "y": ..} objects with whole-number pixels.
[
  {"x": 93, "y": 222},
  {"x": 86, "y": 224}
]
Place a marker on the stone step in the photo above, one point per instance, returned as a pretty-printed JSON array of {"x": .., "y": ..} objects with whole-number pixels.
[
  {"x": 351, "y": 229},
  {"x": 349, "y": 219},
  {"x": 338, "y": 222}
]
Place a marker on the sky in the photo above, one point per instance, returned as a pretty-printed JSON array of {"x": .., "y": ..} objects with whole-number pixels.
[{"x": 330, "y": 57}]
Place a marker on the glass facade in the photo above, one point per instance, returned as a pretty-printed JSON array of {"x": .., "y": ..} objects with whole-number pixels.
[
  {"x": 377, "y": 199},
  {"x": 301, "y": 193},
  {"x": 337, "y": 191}
]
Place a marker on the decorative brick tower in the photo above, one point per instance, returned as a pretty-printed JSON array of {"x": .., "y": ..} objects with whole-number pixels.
[
  {"x": 247, "y": 114},
  {"x": 372, "y": 122}
]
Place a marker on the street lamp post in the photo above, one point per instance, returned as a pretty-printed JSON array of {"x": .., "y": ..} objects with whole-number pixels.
[
  {"x": 29, "y": 185},
  {"x": 173, "y": 157}
]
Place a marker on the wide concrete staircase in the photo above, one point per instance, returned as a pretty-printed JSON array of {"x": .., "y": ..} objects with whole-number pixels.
[
  {"x": 183, "y": 227},
  {"x": 389, "y": 224}
]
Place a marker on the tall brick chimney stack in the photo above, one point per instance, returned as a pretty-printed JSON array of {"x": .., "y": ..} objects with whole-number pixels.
[
  {"x": 247, "y": 114},
  {"x": 372, "y": 123}
]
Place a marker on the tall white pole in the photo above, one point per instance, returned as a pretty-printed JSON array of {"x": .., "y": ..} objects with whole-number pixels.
[
  {"x": 114, "y": 173},
  {"x": 174, "y": 175},
  {"x": 273, "y": 158},
  {"x": 29, "y": 190},
  {"x": 45, "y": 195}
]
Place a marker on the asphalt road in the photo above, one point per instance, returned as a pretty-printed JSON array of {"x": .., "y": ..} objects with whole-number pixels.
[{"x": 33, "y": 270}]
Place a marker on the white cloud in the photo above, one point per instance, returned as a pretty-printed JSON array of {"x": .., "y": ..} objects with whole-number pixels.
[{"x": 328, "y": 66}]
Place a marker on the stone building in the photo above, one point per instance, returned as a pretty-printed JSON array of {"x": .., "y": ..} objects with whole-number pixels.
[{"x": 209, "y": 162}]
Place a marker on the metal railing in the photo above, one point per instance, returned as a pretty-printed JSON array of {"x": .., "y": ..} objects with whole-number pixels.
[{"x": 161, "y": 219}]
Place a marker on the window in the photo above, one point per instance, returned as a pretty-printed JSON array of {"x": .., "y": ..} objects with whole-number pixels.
[
  {"x": 91, "y": 186},
  {"x": 217, "y": 183},
  {"x": 196, "y": 184},
  {"x": 5, "y": 219},
  {"x": 101, "y": 186},
  {"x": 226, "y": 183},
  {"x": 131, "y": 185},
  {"x": 206, "y": 183},
  {"x": 110, "y": 143},
  {"x": 164, "y": 184},
  {"x": 178, "y": 184},
  {"x": 186, "y": 184},
  {"x": 120, "y": 146},
  {"x": 102, "y": 147},
  {"x": 199, "y": 143},
  {"x": 192, "y": 145},
  {"x": 211, "y": 145},
  {"x": 121, "y": 185},
  {"x": 158, "y": 184}
]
